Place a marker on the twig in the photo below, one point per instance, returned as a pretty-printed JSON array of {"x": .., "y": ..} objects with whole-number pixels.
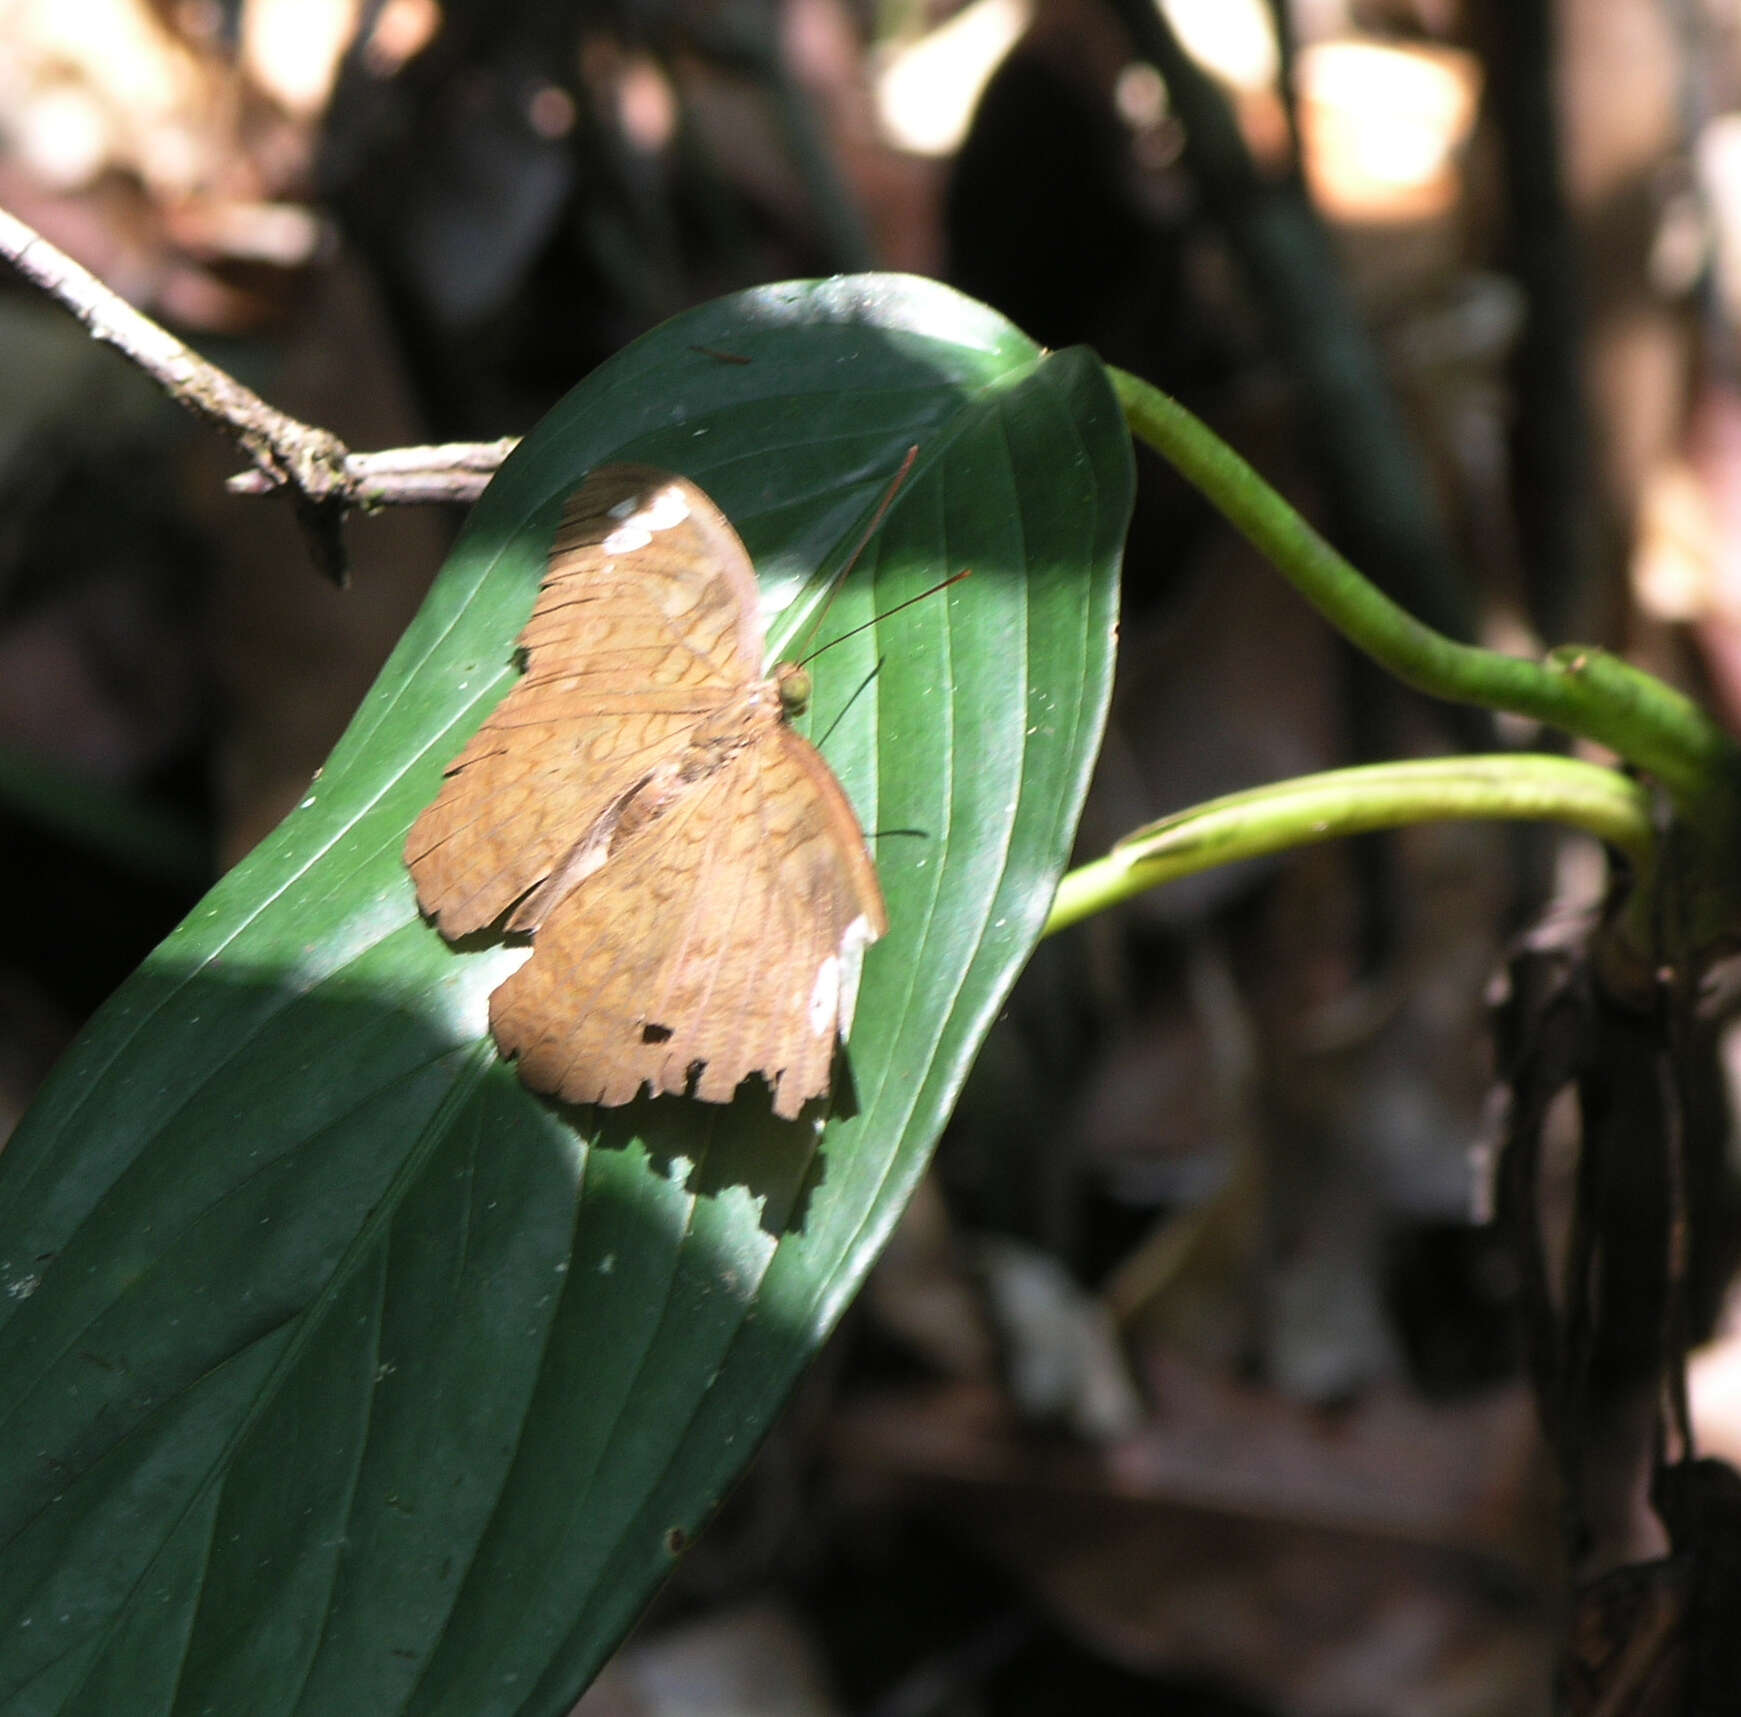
[
  {"x": 325, "y": 479},
  {"x": 405, "y": 476}
]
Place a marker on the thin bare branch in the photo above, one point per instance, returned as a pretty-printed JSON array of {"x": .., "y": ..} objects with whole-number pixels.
[
  {"x": 326, "y": 480},
  {"x": 403, "y": 476}
]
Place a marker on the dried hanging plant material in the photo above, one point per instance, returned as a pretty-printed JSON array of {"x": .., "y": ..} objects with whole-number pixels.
[{"x": 695, "y": 883}]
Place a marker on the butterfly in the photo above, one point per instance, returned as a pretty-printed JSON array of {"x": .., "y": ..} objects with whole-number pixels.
[{"x": 696, "y": 886}]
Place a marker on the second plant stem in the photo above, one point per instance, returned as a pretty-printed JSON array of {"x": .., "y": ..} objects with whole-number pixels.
[
  {"x": 1287, "y": 814},
  {"x": 1579, "y": 689}
]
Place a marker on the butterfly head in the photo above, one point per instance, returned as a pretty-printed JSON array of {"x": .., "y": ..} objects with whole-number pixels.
[{"x": 794, "y": 684}]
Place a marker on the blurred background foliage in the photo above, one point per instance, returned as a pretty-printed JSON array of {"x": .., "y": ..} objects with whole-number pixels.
[{"x": 1190, "y": 1375}]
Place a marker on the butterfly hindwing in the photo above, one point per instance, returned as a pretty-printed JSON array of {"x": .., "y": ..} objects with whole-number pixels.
[{"x": 719, "y": 942}]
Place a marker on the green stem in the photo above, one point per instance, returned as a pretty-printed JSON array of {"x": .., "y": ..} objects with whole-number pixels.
[
  {"x": 1582, "y": 690},
  {"x": 1522, "y": 787}
]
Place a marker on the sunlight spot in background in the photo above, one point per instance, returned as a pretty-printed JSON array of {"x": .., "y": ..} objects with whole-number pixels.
[
  {"x": 1717, "y": 169},
  {"x": 647, "y": 105},
  {"x": 115, "y": 44},
  {"x": 63, "y": 136},
  {"x": 927, "y": 89},
  {"x": 1233, "y": 39},
  {"x": 1382, "y": 123},
  {"x": 1383, "y": 126},
  {"x": 402, "y": 31},
  {"x": 633, "y": 86},
  {"x": 85, "y": 84},
  {"x": 292, "y": 48},
  {"x": 1140, "y": 96}
]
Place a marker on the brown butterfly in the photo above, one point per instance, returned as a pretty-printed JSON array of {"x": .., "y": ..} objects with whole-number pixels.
[{"x": 695, "y": 882}]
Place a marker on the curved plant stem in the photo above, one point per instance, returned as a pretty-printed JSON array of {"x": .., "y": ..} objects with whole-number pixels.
[
  {"x": 1522, "y": 787},
  {"x": 1582, "y": 690}
]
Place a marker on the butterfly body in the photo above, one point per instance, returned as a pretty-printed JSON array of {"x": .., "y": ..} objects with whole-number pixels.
[{"x": 693, "y": 877}]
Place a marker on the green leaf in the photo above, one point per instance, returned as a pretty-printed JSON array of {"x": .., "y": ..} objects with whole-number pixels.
[{"x": 337, "y": 1373}]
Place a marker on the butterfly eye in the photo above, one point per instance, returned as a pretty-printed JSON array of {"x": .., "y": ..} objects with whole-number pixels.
[{"x": 794, "y": 689}]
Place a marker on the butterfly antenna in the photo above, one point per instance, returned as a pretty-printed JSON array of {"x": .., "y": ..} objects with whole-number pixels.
[
  {"x": 870, "y": 531},
  {"x": 877, "y": 619}
]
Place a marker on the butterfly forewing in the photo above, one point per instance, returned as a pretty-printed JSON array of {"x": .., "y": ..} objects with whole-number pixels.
[
  {"x": 626, "y": 651},
  {"x": 649, "y": 592},
  {"x": 695, "y": 879}
]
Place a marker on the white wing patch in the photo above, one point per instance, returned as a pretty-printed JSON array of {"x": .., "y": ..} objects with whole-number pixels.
[
  {"x": 825, "y": 996},
  {"x": 641, "y": 515},
  {"x": 834, "y": 996}
]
